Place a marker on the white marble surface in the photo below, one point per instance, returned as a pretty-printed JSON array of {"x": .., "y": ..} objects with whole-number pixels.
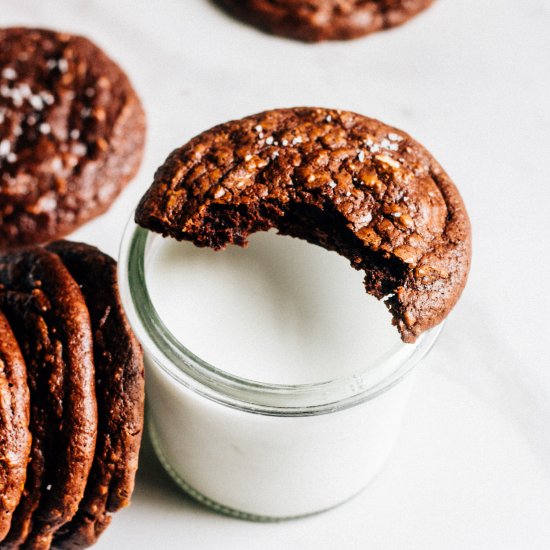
[{"x": 471, "y": 80}]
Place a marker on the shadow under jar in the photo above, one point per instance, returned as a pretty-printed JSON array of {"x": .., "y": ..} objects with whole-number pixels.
[{"x": 243, "y": 442}]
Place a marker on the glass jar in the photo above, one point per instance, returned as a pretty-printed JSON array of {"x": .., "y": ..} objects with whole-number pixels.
[{"x": 254, "y": 450}]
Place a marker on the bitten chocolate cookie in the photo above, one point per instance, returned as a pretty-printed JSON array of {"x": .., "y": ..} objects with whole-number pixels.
[
  {"x": 72, "y": 132},
  {"x": 15, "y": 438},
  {"x": 336, "y": 179},
  {"x": 120, "y": 395},
  {"x": 317, "y": 20},
  {"x": 50, "y": 320}
]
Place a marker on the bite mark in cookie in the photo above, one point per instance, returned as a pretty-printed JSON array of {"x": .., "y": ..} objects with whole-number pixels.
[{"x": 336, "y": 179}]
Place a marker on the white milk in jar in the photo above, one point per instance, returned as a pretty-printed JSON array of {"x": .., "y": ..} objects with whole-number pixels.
[{"x": 275, "y": 384}]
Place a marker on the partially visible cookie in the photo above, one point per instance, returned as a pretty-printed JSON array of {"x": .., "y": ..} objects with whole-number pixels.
[
  {"x": 336, "y": 179},
  {"x": 20, "y": 307},
  {"x": 15, "y": 438},
  {"x": 317, "y": 20},
  {"x": 120, "y": 395},
  {"x": 72, "y": 132},
  {"x": 50, "y": 320}
]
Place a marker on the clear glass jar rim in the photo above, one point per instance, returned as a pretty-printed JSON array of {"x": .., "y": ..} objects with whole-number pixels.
[{"x": 184, "y": 367}]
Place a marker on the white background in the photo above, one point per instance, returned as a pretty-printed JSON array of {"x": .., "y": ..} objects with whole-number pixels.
[{"x": 471, "y": 80}]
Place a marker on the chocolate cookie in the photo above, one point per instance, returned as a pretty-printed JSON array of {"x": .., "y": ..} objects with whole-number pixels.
[
  {"x": 50, "y": 320},
  {"x": 119, "y": 390},
  {"x": 317, "y": 20},
  {"x": 71, "y": 134},
  {"x": 337, "y": 179},
  {"x": 15, "y": 438}
]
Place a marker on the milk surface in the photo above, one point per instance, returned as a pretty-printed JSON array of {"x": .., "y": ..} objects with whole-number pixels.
[{"x": 280, "y": 311}]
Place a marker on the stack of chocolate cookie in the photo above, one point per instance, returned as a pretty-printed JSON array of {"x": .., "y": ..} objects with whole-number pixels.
[{"x": 71, "y": 403}]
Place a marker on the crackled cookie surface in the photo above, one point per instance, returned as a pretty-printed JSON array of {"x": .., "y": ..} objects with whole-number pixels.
[
  {"x": 317, "y": 20},
  {"x": 337, "y": 179},
  {"x": 71, "y": 134},
  {"x": 119, "y": 390}
]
